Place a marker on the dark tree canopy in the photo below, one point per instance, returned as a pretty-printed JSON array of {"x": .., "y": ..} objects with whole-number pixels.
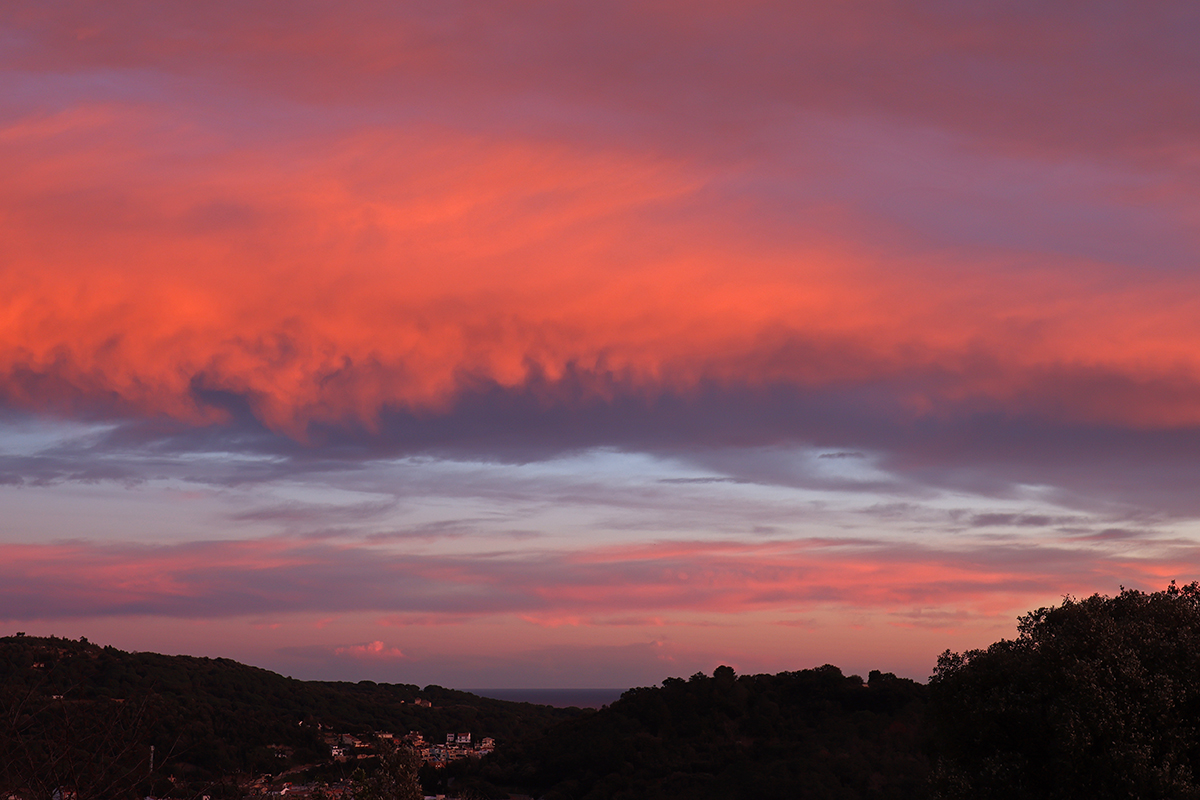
[
  {"x": 1096, "y": 698},
  {"x": 394, "y": 777},
  {"x": 811, "y": 734}
]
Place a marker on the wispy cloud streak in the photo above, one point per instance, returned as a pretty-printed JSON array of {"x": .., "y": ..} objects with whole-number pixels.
[{"x": 216, "y": 579}]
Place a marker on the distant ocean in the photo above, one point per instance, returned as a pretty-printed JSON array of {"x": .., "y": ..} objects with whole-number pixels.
[{"x": 561, "y": 698}]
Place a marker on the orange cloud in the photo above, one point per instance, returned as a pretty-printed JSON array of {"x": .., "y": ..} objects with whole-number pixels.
[{"x": 325, "y": 280}]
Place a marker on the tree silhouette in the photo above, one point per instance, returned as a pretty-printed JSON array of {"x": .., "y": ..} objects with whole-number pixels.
[
  {"x": 95, "y": 749},
  {"x": 1096, "y": 698},
  {"x": 394, "y": 778}
]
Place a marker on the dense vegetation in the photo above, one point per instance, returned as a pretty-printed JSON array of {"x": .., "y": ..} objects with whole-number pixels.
[
  {"x": 1096, "y": 698},
  {"x": 814, "y": 734},
  {"x": 207, "y": 718}
]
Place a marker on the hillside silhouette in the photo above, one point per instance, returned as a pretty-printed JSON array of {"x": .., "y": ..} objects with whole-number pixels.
[
  {"x": 1095, "y": 698},
  {"x": 209, "y": 718}
]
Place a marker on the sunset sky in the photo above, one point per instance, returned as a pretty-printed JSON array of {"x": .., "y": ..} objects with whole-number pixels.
[{"x": 559, "y": 344}]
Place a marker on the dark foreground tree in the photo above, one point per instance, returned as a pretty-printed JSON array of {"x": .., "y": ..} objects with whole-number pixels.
[
  {"x": 394, "y": 778},
  {"x": 87, "y": 749},
  {"x": 1096, "y": 698}
]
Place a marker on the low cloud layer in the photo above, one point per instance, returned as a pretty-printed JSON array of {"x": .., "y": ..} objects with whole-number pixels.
[{"x": 579, "y": 587}]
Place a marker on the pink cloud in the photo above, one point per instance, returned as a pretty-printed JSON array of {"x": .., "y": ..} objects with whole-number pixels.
[
  {"x": 375, "y": 650},
  {"x": 605, "y": 586},
  {"x": 1068, "y": 77}
]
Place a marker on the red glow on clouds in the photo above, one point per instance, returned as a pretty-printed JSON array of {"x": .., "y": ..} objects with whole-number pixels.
[
  {"x": 399, "y": 269},
  {"x": 968, "y": 230},
  {"x": 737, "y": 598},
  {"x": 604, "y": 586}
]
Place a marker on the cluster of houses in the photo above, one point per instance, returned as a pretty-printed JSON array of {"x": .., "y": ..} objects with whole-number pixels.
[
  {"x": 350, "y": 747},
  {"x": 346, "y": 746}
]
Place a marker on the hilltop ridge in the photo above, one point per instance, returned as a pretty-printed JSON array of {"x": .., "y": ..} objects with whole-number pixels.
[
  {"x": 139, "y": 724},
  {"x": 211, "y": 718}
]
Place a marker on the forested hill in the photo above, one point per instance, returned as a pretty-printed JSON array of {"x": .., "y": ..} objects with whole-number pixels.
[
  {"x": 813, "y": 733},
  {"x": 212, "y": 717}
]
